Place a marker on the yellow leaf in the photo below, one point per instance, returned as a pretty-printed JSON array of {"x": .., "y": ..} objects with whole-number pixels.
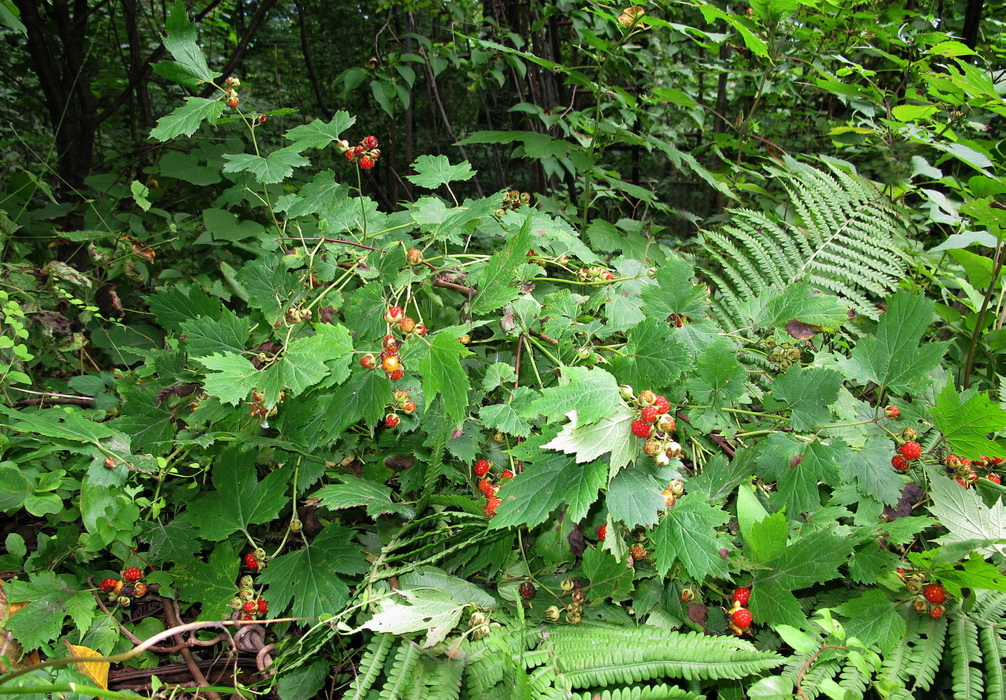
[{"x": 97, "y": 671}]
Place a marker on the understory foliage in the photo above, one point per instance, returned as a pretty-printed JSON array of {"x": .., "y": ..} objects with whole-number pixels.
[{"x": 501, "y": 445}]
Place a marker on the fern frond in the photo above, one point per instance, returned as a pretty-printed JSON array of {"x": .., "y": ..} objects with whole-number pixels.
[
  {"x": 401, "y": 674},
  {"x": 927, "y": 652},
  {"x": 370, "y": 665},
  {"x": 442, "y": 679},
  {"x": 845, "y": 237},
  {"x": 851, "y": 678},
  {"x": 600, "y": 655},
  {"x": 993, "y": 647},
  {"x": 966, "y": 658},
  {"x": 917, "y": 654},
  {"x": 641, "y": 692}
]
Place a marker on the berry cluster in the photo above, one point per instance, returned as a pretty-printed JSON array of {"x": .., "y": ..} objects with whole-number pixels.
[
  {"x": 247, "y": 604},
  {"x": 253, "y": 561},
  {"x": 929, "y": 597},
  {"x": 365, "y": 154},
  {"x": 740, "y": 617},
  {"x": 258, "y": 407},
  {"x": 594, "y": 274},
  {"x": 656, "y": 424},
  {"x": 574, "y": 610},
  {"x": 231, "y": 93},
  {"x": 404, "y": 403},
  {"x": 123, "y": 591},
  {"x": 908, "y": 452},
  {"x": 963, "y": 469},
  {"x": 489, "y": 488},
  {"x": 389, "y": 358}
]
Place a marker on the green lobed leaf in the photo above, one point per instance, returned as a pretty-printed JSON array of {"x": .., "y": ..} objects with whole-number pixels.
[
  {"x": 634, "y": 497},
  {"x": 173, "y": 306},
  {"x": 507, "y": 417},
  {"x": 653, "y": 357},
  {"x": 968, "y": 426},
  {"x": 767, "y": 537},
  {"x": 355, "y": 492},
  {"x": 798, "y": 467},
  {"x": 895, "y": 357},
  {"x": 609, "y": 577},
  {"x": 807, "y": 393},
  {"x": 226, "y": 334},
  {"x": 871, "y": 471},
  {"x": 720, "y": 381},
  {"x": 874, "y": 619},
  {"x": 548, "y": 481},
  {"x": 305, "y": 582},
  {"x": 240, "y": 499},
  {"x": 965, "y": 516},
  {"x": 813, "y": 558},
  {"x": 60, "y": 423},
  {"x": 209, "y": 583},
  {"x": 432, "y": 611},
  {"x": 318, "y": 133},
  {"x": 434, "y": 171},
  {"x": 184, "y": 120},
  {"x": 443, "y": 375},
  {"x": 273, "y": 168},
  {"x": 51, "y": 599},
  {"x": 591, "y": 391},
  {"x": 181, "y": 42},
  {"x": 233, "y": 377},
  {"x": 610, "y": 434},
  {"x": 495, "y": 277},
  {"x": 687, "y": 534},
  {"x": 675, "y": 293}
]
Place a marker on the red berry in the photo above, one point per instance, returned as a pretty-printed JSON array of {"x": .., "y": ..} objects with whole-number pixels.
[
  {"x": 911, "y": 450},
  {"x": 391, "y": 364},
  {"x": 263, "y": 606},
  {"x": 251, "y": 562},
  {"x": 351, "y": 155},
  {"x": 936, "y": 612},
  {"x": 661, "y": 404},
  {"x": 396, "y": 375},
  {"x": 742, "y": 595},
  {"x": 131, "y": 574},
  {"x": 420, "y": 329},
  {"x": 638, "y": 552},
  {"x": 369, "y": 142},
  {"x": 481, "y": 468},
  {"x": 390, "y": 344},
  {"x": 934, "y": 593},
  {"x": 899, "y": 463},
  {"x": 649, "y": 414},
  {"x": 108, "y": 585},
  {"x": 994, "y": 478},
  {"x": 641, "y": 428},
  {"x": 486, "y": 487},
  {"x": 366, "y": 162},
  {"x": 892, "y": 412},
  {"x": 527, "y": 590},
  {"x": 742, "y": 618},
  {"x": 250, "y": 606},
  {"x": 139, "y": 590},
  {"x": 394, "y": 314},
  {"x": 962, "y": 482},
  {"x": 507, "y": 474},
  {"x": 368, "y": 361},
  {"x": 602, "y": 532},
  {"x": 391, "y": 420},
  {"x": 489, "y": 510}
]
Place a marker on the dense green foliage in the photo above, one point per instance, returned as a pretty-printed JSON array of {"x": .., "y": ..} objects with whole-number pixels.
[{"x": 494, "y": 362}]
